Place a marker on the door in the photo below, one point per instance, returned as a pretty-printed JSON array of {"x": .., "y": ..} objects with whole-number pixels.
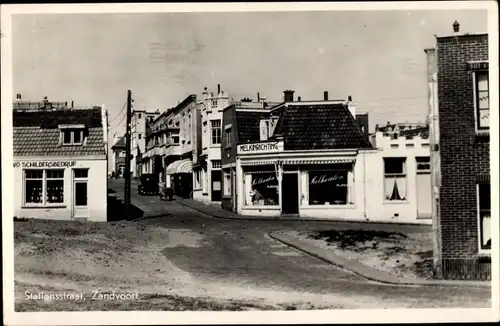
[
  {"x": 424, "y": 195},
  {"x": 233, "y": 191},
  {"x": 80, "y": 199},
  {"x": 216, "y": 185},
  {"x": 290, "y": 191}
]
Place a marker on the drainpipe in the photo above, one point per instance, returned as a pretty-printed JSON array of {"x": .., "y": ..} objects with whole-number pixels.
[{"x": 364, "y": 186}]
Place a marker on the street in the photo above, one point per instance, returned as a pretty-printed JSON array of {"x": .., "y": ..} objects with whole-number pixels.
[{"x": 237, "y": 259}]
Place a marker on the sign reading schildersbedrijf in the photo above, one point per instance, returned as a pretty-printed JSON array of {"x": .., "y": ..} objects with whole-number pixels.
[{"x": 45, "y": 164}]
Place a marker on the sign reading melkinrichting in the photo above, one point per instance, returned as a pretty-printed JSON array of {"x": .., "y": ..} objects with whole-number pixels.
[{"x": 254, "y": 148}]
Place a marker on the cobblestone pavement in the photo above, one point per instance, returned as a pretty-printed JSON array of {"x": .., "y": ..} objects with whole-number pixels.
[{"x": 240, "y": 253}]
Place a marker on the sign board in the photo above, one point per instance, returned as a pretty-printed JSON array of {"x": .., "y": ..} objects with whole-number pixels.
[
  {"x": 261, "y": 148},
  {"x": 45, "y": 164}
]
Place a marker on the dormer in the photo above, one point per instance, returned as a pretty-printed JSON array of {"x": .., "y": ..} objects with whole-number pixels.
[{"x": 72, "y": 135}]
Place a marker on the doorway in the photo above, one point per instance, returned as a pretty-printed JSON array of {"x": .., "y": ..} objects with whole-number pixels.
[
  {"x": 80, "y": 199},
  {"x": 216, "y": 185},
  {"x": 290, "y": 191}
]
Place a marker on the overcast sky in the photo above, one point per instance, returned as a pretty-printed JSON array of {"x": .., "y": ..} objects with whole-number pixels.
[{"x": 375, "y": 56}]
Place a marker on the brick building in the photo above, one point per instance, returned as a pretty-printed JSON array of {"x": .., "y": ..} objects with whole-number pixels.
[{"x": 464, "y": 213}]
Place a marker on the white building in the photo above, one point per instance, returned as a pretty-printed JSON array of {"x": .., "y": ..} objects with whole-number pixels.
[
  {"x": 207, "y": 174},
  {"x": 138, "y": 125},
  {"x": 60, "y": 163}
]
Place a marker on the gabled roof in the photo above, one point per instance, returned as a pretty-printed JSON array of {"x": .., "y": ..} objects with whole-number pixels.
[
  {"x": 319, "y": 126},
  {"x": 36, "y": 132},
  {"x": 119, "y": 144},
  {"x": 248, "y": 125}
]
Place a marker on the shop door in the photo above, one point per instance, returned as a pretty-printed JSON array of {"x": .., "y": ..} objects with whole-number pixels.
[
  {"x": 424, "y": 195},
  {"x": 80, "y": 199},
  {"x": 290, "y": 191},
  {"x": 216, "y": 185}
]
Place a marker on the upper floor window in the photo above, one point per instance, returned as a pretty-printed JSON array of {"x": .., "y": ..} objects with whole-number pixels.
[
  {"x": 215, "y": 126},
  {"x": 73, "y": 136},
  {"x": 227, "y": 137},
  {"x": 140, "y": 115},
  {"x": 214, "y": 103},
  {"x": 482, "y": 100}
]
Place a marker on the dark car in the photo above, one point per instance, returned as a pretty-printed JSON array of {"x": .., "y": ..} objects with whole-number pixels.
[{"x": 149, "y": 184}]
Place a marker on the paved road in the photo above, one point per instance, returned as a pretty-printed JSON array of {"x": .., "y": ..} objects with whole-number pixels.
[{"x": 240, "y": 253}]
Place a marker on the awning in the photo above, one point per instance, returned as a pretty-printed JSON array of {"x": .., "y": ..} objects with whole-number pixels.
[
  {"x": 291, "y": 161},
  {"x": 181, "y": 166}
]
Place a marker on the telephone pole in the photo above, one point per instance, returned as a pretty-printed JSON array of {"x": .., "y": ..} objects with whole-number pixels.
[{"x": 127, "y": 152}]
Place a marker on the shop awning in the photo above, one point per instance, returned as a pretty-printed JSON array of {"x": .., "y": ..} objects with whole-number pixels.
[
  {"x": 306, "y": 161},
  {"x": 181, "y": 166}
]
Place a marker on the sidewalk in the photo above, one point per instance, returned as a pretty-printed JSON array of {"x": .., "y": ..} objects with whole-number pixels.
[
  {"x": 364, "y": 270},
  {"x": 218, "y": 212}
]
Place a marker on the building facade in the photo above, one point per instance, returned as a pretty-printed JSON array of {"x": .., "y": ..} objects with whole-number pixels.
[
  {"x": 207, "y": 175},
  {"x": 118, "y": 151},
  {"x": 464, "y": 152},
  {"x": 404, "y": 151},
  {"x": 63, "y": 174},
  {"x": 138, "y": 127}
]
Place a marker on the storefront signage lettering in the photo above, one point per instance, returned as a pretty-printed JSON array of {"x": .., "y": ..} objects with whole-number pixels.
[
  {"x": 259, "y": 148},
  {"x": 45, "y": 164},
  {"x": 261, "y": 180},
  {"x": 324, "y": 178}
]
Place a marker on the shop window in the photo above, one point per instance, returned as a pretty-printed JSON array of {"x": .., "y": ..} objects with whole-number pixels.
[
  {"x": 423, "y": 164},
  {"x": 261, "y": 189},
  {"x": 395, "y": 178},
  {"x": 328, "y": 187},
  {"x": 72, "y": 136},
  {"x": 216, "y": 131},
  {"x": 216, "y": 164},
  {"x": 482, "y": 100},
  {"x": 227, "y": 183},
  {"x": 484, "y": 208},
  {"x": 44, "y": 186}
]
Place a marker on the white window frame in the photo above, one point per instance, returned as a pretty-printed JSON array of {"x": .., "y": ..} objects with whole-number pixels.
[
  {"x": 216, "y": 164},
  {"x": 44, "y": 179},
  {"x": 405, "y": 174},
  {"x": 227, "y": 183},
  {"x": 479, "y": 227},
  {"x": 72, "y": 136},
  {"x": 218, "y": 131},
  {"x": 214, "y": 103},
  {"x": 228, "y": 138},
  {"x": 479, "y": 130}
]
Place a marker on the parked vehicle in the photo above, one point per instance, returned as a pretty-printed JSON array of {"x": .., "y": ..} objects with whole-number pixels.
[
  {"x": 149, "y": 184},
  {"x": 166, "y": 194}
]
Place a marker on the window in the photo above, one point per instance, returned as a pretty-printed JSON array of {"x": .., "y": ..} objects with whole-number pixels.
[
  {"x": 395, "y": 178},
  {"x": 140, "y": 115},
  {"x": 423, "y": 164},
  {"x": 227, "y": 136},
  {"x": 261, "y": 189},
  {"x": 175, "y": 140},
  {"x": 81, "y": 173},
  {"x": 121, "y": 154},
  {"x": 214, "y": 103},
  {"x": 140, "y": 136},
  {"x": 44, "y": 187},
  {"x": 197, "y": 179},
  {"x": 484, "y": 207},
  {"x": 216, "y": 131},
  {"x": 328, "y": 187},
  {"x": 73, "y": 136},
  {"x": 482, "y": 102},
  {"x": 216, "y": 164},
  {"x": 227, "y": 183}
]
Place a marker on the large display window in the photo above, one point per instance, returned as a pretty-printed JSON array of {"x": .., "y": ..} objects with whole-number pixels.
[
  {"x": 261, "y": 189},
  {"x": 328, "y": 187}
]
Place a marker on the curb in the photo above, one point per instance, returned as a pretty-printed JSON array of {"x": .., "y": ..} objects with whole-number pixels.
[
  {"x": 312, "y": 220},
  {"x": 367, "y": 272}
]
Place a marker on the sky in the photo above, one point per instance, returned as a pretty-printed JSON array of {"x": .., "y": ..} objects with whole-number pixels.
[{"x": 377, "y": 57}]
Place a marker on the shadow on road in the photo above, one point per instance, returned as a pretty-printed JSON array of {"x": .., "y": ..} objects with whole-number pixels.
[{"x": 116, "y": 210}]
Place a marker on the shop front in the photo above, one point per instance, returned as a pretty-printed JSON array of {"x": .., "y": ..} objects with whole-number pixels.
[
  {"x": 61, "y": 188},
  {"x": 179, "y": 177},
  {"x": 306, "y": 184}
]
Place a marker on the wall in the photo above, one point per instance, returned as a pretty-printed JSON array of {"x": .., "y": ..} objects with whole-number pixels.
[
  {"x": 464, "y": 156},
  {"x": 395, "y": 211},
  {"x": 97, "y": 191},
  {"x": 229, "y": 152}
]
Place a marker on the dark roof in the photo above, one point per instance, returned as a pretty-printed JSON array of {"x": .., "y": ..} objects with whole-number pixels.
[
  {"x": 325, "y": 126},
  {"x": 247, "y": 124},
  {"x": 36, "y": 133},
  {"x": 119, "y": 144}
]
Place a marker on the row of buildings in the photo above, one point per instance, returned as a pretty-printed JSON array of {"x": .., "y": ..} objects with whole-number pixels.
[{"x": 313, "y": 159}]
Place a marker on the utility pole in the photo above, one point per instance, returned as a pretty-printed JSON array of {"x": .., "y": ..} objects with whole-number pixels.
[{"x": 127, "y": 153}]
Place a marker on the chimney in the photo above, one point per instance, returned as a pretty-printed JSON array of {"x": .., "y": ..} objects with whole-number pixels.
[
  {"x": 288, "y": 95},
  {"x": 456, "y": 27},
  {"x": 258, "y": 97},
  {"x": 218, "y": 89},
  {"x": 299, "y": 99},
  {"x": 325, "y": 96},
  {"x": 18, "y": 96},
  {"x": 72, "y": 104},
  {"x": 351, "y": 106}
]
